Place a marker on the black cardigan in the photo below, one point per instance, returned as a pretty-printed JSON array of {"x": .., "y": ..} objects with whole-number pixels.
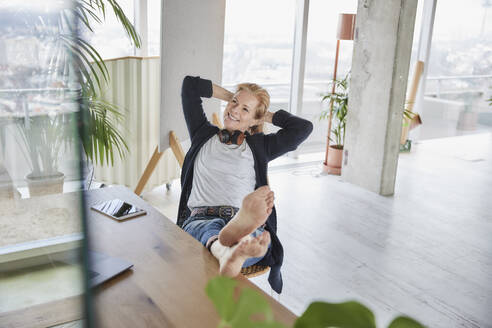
[{"x": 294, "y": 131}]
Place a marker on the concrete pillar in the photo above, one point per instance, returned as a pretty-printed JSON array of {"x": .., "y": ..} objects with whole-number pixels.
[
  {"x": 192, "y": 43},
  {"x": 380, "y": 64}
]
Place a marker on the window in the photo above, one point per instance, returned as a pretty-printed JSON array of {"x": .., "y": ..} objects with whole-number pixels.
[
  {"x": 40, "y": 229},
  {"x": 109, "y": 38},
  {"x": 320, "y": 61},
  {"x": 258, "y": 44},
  {"x": 154, "y": 27},
  {"x": 459, "y": 71}
]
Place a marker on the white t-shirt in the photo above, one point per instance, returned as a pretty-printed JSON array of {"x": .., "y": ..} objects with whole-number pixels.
[{"x": 222, "y": 175}]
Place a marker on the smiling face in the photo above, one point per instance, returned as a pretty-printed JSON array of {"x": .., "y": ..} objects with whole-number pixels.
[{"x": 241, "y": 111}]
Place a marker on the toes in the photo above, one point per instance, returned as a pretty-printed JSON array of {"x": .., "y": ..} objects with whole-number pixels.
[
  {"x": 242, "y": 247},
  {"x": 258, "y": 238},
  {"x": 265, "y": 238},
  {"x": 263, "y": 190},
  {"x": 246, "y": 241}
]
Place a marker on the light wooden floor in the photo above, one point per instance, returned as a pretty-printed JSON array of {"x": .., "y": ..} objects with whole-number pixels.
[{"x": 425, "y": 252}]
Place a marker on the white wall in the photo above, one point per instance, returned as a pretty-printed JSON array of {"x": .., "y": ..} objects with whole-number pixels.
[{"x": 192, "y": 38}]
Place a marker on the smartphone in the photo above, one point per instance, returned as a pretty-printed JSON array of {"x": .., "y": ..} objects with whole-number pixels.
[{"x": 118, "y": 209}]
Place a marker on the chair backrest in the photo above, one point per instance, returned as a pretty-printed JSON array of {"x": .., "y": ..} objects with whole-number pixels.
[
  {"x": 176, "y": 148},
  {"x": 176, "y": 145},
  {"x": 216, "y": 121}
]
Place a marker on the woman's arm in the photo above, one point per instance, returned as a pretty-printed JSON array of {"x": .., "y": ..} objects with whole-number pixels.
[
  {"x": 268, "y": 117},
  {"x": 192, "y": 90},
  {"x": 221, "y": 93},
  {"x": 294, "y": 130}
]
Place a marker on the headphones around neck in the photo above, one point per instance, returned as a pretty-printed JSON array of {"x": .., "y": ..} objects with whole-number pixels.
[{"x": 237, "y": 137}]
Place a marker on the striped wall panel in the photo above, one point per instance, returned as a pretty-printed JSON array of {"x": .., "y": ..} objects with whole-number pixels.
[{"x": 134, "y": 86}]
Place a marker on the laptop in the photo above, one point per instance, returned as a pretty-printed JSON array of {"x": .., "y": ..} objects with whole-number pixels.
[
  {"x": 61, "y": 250},
  {"x": 103, "y": 267}
]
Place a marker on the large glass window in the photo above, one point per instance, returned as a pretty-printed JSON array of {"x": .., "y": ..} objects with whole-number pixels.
[
  {"x": 41, "y": 231},
  {"x": 320, "y": 61},
  {"x": 109, "y": 38},
  {"x": 154, "y": 27},
  {"x": 459, "y": 72},
  {"x": 258, "y": 44}
]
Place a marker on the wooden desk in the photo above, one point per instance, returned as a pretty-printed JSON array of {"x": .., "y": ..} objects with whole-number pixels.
[{"x": 165, "y": 287}]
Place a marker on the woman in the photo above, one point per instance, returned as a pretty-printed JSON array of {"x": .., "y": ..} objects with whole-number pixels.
[{"x": 225, "y": 201}]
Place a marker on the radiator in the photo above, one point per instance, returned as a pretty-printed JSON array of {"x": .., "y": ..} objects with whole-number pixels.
[{"x": 134, "y": 86}]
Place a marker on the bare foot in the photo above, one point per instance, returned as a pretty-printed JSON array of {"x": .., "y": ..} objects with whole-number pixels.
[
  {"x": 255, "y": 209},
  {"x": 233, "y": 258}
]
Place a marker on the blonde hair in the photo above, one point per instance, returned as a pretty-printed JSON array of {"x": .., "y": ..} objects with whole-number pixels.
[{"x": 263, "y": 98}]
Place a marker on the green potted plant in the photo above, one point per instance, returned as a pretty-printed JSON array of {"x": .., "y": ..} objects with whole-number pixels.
[
  {"x": 410, "y": 121},
  {"x": 100, "y": 119},
  {"x": 339, "y": 107},
  {"x": 247, "y": 308},
  {"x": 42, "y": 138}
]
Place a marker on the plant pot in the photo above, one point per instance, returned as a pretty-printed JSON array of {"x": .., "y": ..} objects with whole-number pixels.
[
  {"x": 43, "y": 185},
  {"x": 334, "y": 165},
  {"x": 7, "y": 189}
]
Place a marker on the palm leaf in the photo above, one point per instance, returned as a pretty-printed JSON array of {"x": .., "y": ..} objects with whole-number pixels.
[
  {"x": 125, "y": 22},
  {"x": 104, "y": 137},
  {"x": 101, "y": 120},
  {"x": 83, "y": 10},
  {"x": 85, "y": 54}
]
